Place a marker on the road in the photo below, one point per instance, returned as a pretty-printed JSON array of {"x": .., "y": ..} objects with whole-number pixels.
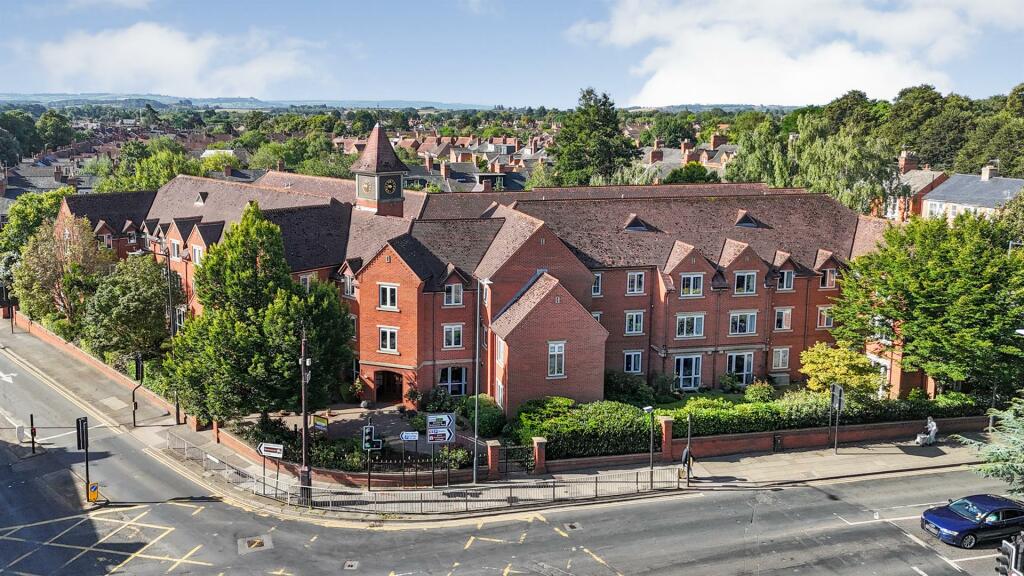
[{"x": 158, "y": 522}]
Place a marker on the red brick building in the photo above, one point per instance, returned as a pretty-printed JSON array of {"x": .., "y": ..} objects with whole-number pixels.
[{"x": 692, "y": 281}]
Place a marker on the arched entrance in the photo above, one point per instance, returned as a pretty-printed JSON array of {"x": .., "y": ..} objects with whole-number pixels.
[{"x": 387, "y": 386}]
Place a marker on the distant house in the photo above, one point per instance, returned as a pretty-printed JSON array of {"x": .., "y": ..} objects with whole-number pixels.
[
  {"x": 983, "y": 194},
  {"x": 919, "y": 182}
]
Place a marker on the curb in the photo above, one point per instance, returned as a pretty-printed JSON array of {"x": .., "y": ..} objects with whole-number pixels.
[{"x": 836, "y": 478}]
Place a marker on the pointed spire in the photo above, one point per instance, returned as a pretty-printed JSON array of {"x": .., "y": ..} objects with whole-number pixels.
[{"x": 378, "y": 156}]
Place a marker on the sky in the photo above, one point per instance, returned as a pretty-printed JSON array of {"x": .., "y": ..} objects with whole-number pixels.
[{"x": 526, "y": 52}]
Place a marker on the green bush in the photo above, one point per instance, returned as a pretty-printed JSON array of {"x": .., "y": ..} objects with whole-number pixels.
[
  {"x": 627, "y": 388},
  {"x": 492, "y": 418},
  {"x": 730, "y": 384},
  {"x": 759, "y": 391},
  {"x": 455, "y": 457},
  {"x": 419, "y": 423},
  {"x": 577, "y": 430},
  {"x": 440, "y": 400}
]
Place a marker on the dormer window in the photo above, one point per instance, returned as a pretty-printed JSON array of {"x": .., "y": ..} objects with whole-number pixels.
[
  {"x": 828, "y": 278},
  {"x": 349, "y": 285},
  {"x": 201, "y": 199},
  {"x": 746, "y": 283},
  {"x": 175, "y": 250},
  {"x": 785, "y": 280},
  {"x": 453, "y": 294},
  {"x": 745, "y": 220},
  {"x": 197, "y": 255}
]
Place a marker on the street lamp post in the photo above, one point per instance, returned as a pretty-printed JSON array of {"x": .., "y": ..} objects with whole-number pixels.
[
  {"x": 304, "y": 473},
  {"x": 481, "y": 284},
  {"x": 650, "y": 410}
]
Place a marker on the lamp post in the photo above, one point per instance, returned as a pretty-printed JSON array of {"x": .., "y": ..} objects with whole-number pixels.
[
  {"x": 481, "y": 285},
  {"x": 304, "y": 475},
  {"x": 650, "y": 410}
]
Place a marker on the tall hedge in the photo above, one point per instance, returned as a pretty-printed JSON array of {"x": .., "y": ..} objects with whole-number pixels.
[{"x": 578, "y": 430}]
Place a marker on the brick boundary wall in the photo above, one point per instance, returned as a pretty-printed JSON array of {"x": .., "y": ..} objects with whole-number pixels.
[
  {"x": 798, "y": 439},
  {"x": 36, "y": 329}
]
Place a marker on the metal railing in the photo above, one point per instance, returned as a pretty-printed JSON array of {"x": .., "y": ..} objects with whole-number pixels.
[{"x": 439, "y": 501}]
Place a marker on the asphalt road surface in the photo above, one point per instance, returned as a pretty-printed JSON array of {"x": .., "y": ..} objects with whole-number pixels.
[{"x": 158, "y": 522}]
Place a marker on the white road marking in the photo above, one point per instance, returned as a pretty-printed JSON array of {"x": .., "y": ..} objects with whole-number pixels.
[
  {"x": 917, "y": 540},
  {"x": 70, "y": 432},
  {"x": 9, "y": 378},
  {"x": 919, "y": 571},
  {"x": 977, "y": 558},
  {"x": 858, "y": 523},
  {"x": 925, "y": 505}
]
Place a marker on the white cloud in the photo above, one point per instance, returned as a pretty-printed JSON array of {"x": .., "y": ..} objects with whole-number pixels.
[
  {"x": 153, "y": 58},
  {"x": 793, "y": 51}
]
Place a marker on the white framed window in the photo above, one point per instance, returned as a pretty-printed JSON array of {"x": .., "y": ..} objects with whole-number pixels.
[
  {"x": 688, "y": 371},
  {"x": 783, "y": 319},
  {"x": 780, "y": 358},
  {"x": 197, "y": 255},
  {"x": 596, "y": 315},
  {"x": 387, "y": 296},
  {"x": 785, "y": 282},
  {"x": 499, "y": 392},
  {"x": 824, "y": 316},
  {"x": 936, "y": 210},
  {"x": 180, "y": 313},
  {"x": 453, "y": 294},
  {"x": 486, "y": 293},
  {"x": 691, "y": 285},
  {"x": 690, "y": 325},
  {"x": 742, "y": 323},
  {"x": 454, "y": 379},
  {"x": 305, "y": 280},
  {"x": 635, "y": 282},
  {"x": 556, "y": 359},
  {"x": 741, "y": 365},
  {"x": 349, "y": 285},
  {"x": 175, "y": 250},
  {"x": 828, "y": 278},
  {"x": 632, "y": 362},
  {"x": 388, "y": 341},
  {"x": 355, "y": 325},
  {"x": 596, "y": 288},
  {"x": 635, "y": 322},
  {"x": 108, "y": 240},
  {"x": 501, "y": 350},
  {"x": 452, "y": 336},
  {"x": 131, "y": 237},
  {"x": 746, "y": 283}
]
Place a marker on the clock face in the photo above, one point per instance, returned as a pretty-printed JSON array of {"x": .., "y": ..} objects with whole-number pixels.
[
  {"x": 390, "y": 185},
  {"x": 367, "y": 189}
]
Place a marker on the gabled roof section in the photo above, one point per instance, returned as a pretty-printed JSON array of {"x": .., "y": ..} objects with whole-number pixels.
[
  {"x": 210, "y": 232},
  {"x": 520, "y": 308},
  {"x": 115, "y": 209},
  {"x": 313, "y": 236},
  {"x": 378, "y": 156},
  {"x": 459, "y": 244},
  {"x": 731, "y": 250},
  {"x": 870, "y": 234},
  {"x": 680, "y": 251},
  {"x": 635, "y": 223},
  {"x": 745, "y": 220},
  {"x": 824, "y": 257},
  {"x": 516, "y": 229}
]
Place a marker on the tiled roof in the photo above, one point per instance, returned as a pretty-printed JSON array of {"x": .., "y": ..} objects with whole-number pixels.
[
  {"x": 326, "y": 187},
  {"x": 313, "y": 236},
  {"x": 521, "y": 307},
  {"x": 869, "y": 235},
  {"x": 918, "y": 179},
  {"x": 796, "y": 223},
  {"x": 378, "y": 156},
  {"x": 514, "y": 232},
  {"x": 115, "y": 209},
  {"x": 224, "y": 200},
  {"x": 971, "y": 190},
  {"x": 462, "y": 243}
]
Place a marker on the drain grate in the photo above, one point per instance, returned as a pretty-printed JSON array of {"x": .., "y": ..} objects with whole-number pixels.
[
  {"x": 254, "y": 544},
  {"x": 572, "y": 526},
  {"x": 350, "y": 565}
]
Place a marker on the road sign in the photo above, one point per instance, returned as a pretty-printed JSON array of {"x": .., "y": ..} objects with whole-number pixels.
[
  {"x": 270, "y": 450},
  {"x": 20, "y": 429},
  {"x": 320, "y": 423},
  {"x": 440, "y": 420},
  {"x": 410, "y": 436},
  {"x": 94, "y": 491},
  {"x": 838, "y": 397},
  {"x": 82, "y": 430},
  {"x": 369, "y": 442},
  {"x": 439, "y": 435}
]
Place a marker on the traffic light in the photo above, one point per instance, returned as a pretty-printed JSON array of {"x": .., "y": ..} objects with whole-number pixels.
[
  {"x": 1008, "y": 559},
  {"x": 367, "y": 437}
]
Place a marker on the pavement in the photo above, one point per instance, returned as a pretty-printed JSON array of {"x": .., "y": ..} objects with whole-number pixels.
[{"x": 157, "y": 521}]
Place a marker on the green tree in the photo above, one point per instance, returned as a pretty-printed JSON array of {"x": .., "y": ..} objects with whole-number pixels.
[
  {"x": 761, "y": 157},
  {"x": 55, "y": 130},
  {"x": 217, "y": 162},
  {"x": 269, "y": 156},
  {"x": 27, "y": 213},
  {"x": 943, "y": 135},
  {"x": 825, "y": 365},
  {"x": 1015, "y": 101},
  {"x": 56, "y": 277},
  {"x": 950, "y": 296},
  {"x": 330, "y": 165},
  {"x": 910, "y": 110},
  {"x": 541, "y": 176},
  {"x": 998, "y": 137},
  {"x": 1003, "y": 453},
  {"x": 151, "y": 172},
  {"x": 633, "y": 175},
  {"x": 692, "y": 172},
  {"x": 591, "y": 141},
  {"x": 128, "y": 313},
  {"x": 10, "y": 150},
  {"x": 22, "y": 126}
]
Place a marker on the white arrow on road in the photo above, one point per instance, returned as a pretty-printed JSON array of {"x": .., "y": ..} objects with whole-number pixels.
[{"x": 9, "y": 378}]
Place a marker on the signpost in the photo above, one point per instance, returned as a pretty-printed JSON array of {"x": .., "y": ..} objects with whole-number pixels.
[
  {"x": 440, "y": 430},
  {"x": 268, "y": 450},
  {"x": 94, "y": 492},
  {"x": 320, "y": 423},
  {"x": 410, "y": 436}
]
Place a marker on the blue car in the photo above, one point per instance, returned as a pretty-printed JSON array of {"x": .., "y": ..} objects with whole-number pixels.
[{"x": 967, "y": 521}]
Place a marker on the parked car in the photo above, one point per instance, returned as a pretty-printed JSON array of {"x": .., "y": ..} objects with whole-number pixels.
[{"x": 967, "y": 521}]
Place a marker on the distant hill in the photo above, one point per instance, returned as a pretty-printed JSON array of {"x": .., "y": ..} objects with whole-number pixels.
[
  {"x": 162, "y": 101},
  {"x": 727, "y": 107}
]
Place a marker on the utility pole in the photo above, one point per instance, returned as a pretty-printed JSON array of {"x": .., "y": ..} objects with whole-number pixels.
[
  {"x": 304, "y": 472},
  {"x": 171, "y": 320}
]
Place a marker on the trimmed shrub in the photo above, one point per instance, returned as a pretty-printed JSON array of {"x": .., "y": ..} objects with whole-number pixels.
[
  {"x": 759, "y": 391},
  {"x": 577, "y": 430},
  {"x": 627, "y": 388},
  {"x": 419, "y": 423},
  {"x": 440, "y": 400},
  {"x": 492, "y": 418}
]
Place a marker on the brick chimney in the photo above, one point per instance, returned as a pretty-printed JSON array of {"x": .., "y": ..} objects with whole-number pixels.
[
  {"x": 227, "y": 170},
  {"x": 280, "y": 165},
  {"x": 487, "y": 184},
  {"x": 907, "y": 162},
  {"x": 428, "y": 163},
  {"x": 685, "y": 146},
  {"x": 717, "y": 140},
  {"x": 58, "y": 176},
  {"x": 655, "y": 155},
  {"x": 989, "y": 172},
  {"x": 446, "y": 171}
]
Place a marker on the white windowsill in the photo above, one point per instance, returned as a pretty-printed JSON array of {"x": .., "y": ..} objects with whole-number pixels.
[
  {"x": 390, "y": 352},
  {"x": 562, "y": 377},
  {"x": 701, "y": 337},
  {"x": 388, "y": 309}
]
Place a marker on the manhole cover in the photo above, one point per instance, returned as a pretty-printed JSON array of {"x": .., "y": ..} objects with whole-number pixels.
[
  {"x": 254, "y": 544},
  {"x": 351, "y": 565},
  {"x": 572, "y": 526}
]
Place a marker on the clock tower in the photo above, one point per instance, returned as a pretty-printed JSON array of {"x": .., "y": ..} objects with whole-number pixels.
[{"x": 378, "y": 173}]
